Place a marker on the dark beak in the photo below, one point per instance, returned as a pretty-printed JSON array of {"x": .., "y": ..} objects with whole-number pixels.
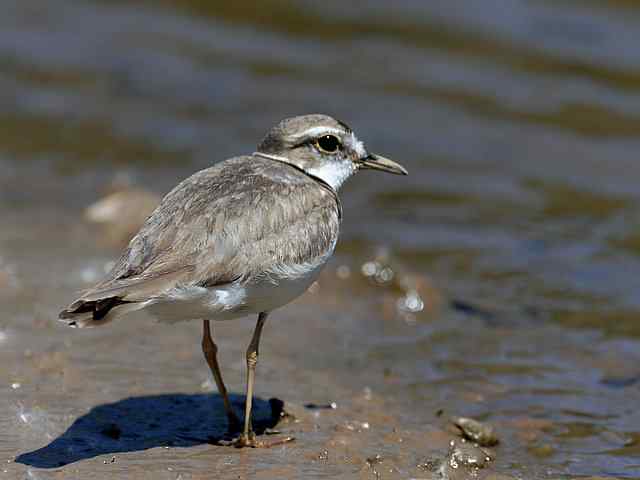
[{"x": 376, "y": 162}]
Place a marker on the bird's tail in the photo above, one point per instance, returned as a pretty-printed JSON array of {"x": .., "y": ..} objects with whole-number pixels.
[
  {"x": 92, "y": 313},
  {"x": 115, "y": 297}
]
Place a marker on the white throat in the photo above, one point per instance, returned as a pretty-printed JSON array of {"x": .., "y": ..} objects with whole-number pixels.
[{"x": 334, "y": 173}]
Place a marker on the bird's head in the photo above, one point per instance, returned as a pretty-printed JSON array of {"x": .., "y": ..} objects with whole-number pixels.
[{"x": 322, "y": 147}]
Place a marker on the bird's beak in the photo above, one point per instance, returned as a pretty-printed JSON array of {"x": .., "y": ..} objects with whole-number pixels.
[{"x": 376, "y": 162}]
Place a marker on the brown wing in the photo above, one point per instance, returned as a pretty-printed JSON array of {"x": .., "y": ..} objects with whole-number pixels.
[{"x": 234, "y": 220}]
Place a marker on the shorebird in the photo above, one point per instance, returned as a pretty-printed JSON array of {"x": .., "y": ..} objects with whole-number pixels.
[{"x": 245, "y": 236}]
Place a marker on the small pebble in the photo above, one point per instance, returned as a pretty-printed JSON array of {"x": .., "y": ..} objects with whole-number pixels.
[
  {"x": 467, "y": 455},
  {"x": 122, "y": 213},
  {"x": 481, "y": 433}
]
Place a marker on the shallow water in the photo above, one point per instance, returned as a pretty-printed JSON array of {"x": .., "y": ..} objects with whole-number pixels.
[{"x": 498, "y": 281}]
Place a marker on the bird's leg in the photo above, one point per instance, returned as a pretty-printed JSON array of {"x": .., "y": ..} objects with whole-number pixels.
[
  {"x": 210, "y": 350},
  {"x": 248, "y": 437}
]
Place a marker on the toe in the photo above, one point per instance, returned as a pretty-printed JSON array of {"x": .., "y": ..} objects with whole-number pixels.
[{"x": 251, "y": 441}]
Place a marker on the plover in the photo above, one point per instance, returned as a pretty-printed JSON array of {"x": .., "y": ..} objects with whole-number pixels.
[{"x": 245, "y": 236}]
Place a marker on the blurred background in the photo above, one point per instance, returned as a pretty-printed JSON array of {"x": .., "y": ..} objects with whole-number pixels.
[{"x": 499, "y": 280}]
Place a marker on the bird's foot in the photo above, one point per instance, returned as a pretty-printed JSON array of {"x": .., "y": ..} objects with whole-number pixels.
[{"x": 251, "y": 441}]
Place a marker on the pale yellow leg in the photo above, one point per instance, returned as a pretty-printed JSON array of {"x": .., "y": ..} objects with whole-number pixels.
[
  {"x": 248, "y": 437},
  {"x": 252, "y": 362}
]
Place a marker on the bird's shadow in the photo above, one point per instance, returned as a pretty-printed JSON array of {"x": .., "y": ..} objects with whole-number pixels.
[{"x": 140, "y": 423}]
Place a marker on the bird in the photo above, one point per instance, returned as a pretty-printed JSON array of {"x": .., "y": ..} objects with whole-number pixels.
[{"x": 243, "y": 237}]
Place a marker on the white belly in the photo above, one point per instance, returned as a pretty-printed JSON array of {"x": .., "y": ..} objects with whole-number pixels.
[{"x": 277, "y": 288}]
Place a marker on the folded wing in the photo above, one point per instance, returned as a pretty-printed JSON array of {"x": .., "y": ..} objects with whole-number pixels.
[{"x": 235, "y": 221}]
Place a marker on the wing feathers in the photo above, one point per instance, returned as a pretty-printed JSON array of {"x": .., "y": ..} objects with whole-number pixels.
[
  {"x": 238, "y": 219},
  {"x": 138, "y": 288},
  {"x": 109, "y": 300}
]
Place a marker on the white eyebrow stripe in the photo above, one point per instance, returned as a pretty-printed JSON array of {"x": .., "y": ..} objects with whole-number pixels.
[
  {"x": 358, "y": 146},
  {"x": 319, "y": 131}
]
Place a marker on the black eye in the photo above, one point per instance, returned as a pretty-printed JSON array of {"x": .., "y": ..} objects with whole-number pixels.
[{"x": 328, "y": 144}]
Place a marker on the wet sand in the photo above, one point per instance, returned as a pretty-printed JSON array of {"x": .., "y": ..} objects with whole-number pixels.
[{"x": 498, "y": 282}]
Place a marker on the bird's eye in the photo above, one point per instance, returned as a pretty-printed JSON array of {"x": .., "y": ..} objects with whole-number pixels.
[{"x": 328, "y": 144}]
